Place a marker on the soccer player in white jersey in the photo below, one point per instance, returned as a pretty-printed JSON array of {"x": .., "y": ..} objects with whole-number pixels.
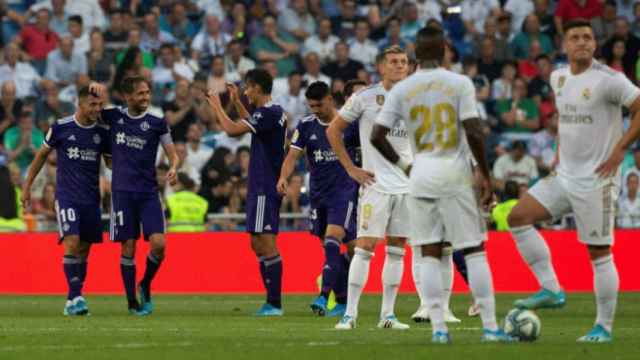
[
  {"x": 438, "y": 108},
  {"x": 592, "y": 143}
]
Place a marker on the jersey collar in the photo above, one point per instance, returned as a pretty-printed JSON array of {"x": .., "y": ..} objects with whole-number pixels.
[
  {"x": 126, "y": 111},
  {"x": 83, "y": 126}
]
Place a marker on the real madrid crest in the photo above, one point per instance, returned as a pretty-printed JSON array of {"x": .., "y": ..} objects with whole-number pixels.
[
  {"x": 96, "y": 139},
  {"x": 380, "y": 99},
  {"x": 586, "y": 94},
  {"x": 144, "y": 126}
]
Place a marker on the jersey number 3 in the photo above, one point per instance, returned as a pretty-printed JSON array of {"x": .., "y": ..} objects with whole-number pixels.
[{"x": 443, "y": 116}]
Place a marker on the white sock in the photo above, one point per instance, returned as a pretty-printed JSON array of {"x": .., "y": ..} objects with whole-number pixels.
[
  {"x": 536, "y": 253},
  {"x": 606, "y": 283},
  {"x": 446, "y": 266},
  {"x": 431, "y": 282},
  {"x": 481, "y": 286},
  {"x": 415, "y": 271},
  {"x": 391, "y": 278},
  {"x": 358, "y": 275}
]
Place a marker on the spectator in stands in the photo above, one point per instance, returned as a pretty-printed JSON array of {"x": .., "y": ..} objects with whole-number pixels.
[
  {"x": 209, "y": 42},
  {"x": 539, "y": 88},
  {"x": 500, "y": 50},
  {"x": 217, "y": 77},
  {"x": 323, "y": 43},
  {"x": 604, "y": 26},
  {"x": 280, "y": 83},
  {"x": 22, "y": 74},
  {"x": 49, "y": 108},
  {"x": 501, "y": 212},
  {"x": 519, "y": 9},
  {"x": 133, "y": 41},
  {"x": 45, "y": 207},
  {"x": 502, "y": 87},
  {"x": 488, "y": 64},
  {"x": 531, "y": 33},
  {"x": 427, "y": 10},
  {"x": 476, "y": 12},
  {"x": 343, "y": 67},
  {"x": 240, "y": 25},
  {"x": 38, "y": 40},
  {"x": 504, "y": 27},
  {"x": 480, "y": 81},
  {"x": 297, "y": 21},
  {"x": 153, "y": 37},
  {"x": 615, "y": 59},
  {"x": 635, "y": 23},
  {"x": 10, "y": 106},
  {"x": 242, "y": 162},
  {"x": 519, "y": 113},
  {"x": 218, "y": 194},
  {"x": 527, "y": 68},
  {"x": 167, "y": 71},
  {"x": 633, "y": 169},
  {"x": 274, "y": 45},
  {"x": 543, "y": 145},
  {"x": 344, "y": 25},
  {"x": 361, "y": 48},
  {"x": 11, "y": 216},
  {"x": 410, "y": 24},
  {"x": 312, "y": 68},
  {"x": 100, "y": 66},
  {"x": 23, "y": 141},
  {"x": 80, "y": 37},
  {"x": 628, "y": 216},
  {"x": 515, "y": 165},
  {"x": 294, "y": 201},
  {"x": 180, "y": 112},
  {"x": 543, "y": 11},
  {"x": 393, "y": 36},
  {"x": 236, "y": 64},
  {"x": 572, "y": 9},
  {"x": 217, "y": 167},
  {"x": 185, "y": 166},
  {"x": 178, "y": 24},
  {"x": 187, "y": 209},
  {"x": 64, "y": 65},
  {"x": 294, "y": 103},
  {"x": 632, "y": 47},
  {"x": 198, "y": 154},
  {"x": 59, "y": 17},
  {"x": 115, "y": 37}
]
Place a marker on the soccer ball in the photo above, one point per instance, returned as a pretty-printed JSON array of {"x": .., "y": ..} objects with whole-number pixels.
[{"x": 522, "y": 324}]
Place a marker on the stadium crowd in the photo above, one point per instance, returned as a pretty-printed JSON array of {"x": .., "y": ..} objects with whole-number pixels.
[{"x": 509, "y": 48}]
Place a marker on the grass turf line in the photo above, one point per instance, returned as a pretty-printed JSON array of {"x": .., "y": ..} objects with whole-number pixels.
[{"x": 221, "y": 327}]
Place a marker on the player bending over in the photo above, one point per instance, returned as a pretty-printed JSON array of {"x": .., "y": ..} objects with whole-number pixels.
[
  {"x": 268, "y": 127},
  {"x": 80, "y": 142},
  {"x": 333, "y": 193},
  {"x": 438, "y": 107},
  {"x": 592, "y": 143}
]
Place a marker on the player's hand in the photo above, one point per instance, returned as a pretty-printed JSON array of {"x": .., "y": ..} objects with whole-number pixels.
[
  {"x": 213, "y": 100},
  {"x": 234, "y": 93},
  {"x": 610, "y": 166},
  {"x": 363, "y": 177},
  {"x": 282, "y": 186},
  {"x": 172, "y": 177},
  {"x": 98, "y": 90},
  {"x": 487, "y": 197},
  {"x": 25, "y": 197}
]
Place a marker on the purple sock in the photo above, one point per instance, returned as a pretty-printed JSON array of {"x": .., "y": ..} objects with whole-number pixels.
[
  {"x": 262, "y": 270},
  {"x": 273, "y": 280},
  {"x": 82, "y": 271},
  {"x": 343, "y": 280},
  {"x": 71, "y": 267},
  {"x": 128, "y": 271},
  {"x": 333, "y": 265},
  {"x": 153, "y": 265}
]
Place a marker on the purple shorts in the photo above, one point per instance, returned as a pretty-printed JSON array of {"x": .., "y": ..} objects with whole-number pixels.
[
  {"x": 263, "y": 213},
  {"x": 132, "y": 210},
  {"x": 79, "y": 219},
  {"x": 341, "y": 213}
]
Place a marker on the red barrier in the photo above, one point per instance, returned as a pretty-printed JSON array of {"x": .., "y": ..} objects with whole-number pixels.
[{"x": 224, "y": 263}]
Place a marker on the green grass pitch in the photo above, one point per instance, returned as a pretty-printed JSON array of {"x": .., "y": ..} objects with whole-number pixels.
[{"x": 221, "y": 327}]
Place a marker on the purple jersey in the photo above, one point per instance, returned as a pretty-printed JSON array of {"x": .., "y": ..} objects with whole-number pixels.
[
  {"x": 329, "y": 180},
  {"x": 134, "y": 148},
  {"x": 269, "y": 131},
  {"x": 79, "y": 149}
]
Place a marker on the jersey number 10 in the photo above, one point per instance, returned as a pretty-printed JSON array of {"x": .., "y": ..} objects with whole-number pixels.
[{"x": 434, "y": 116}]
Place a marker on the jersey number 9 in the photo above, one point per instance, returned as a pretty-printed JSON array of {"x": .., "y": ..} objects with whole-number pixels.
[{"x": 434, "y": 116}]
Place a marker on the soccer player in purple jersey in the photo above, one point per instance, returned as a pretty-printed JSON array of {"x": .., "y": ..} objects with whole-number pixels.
[
  {"x": 80, "y": 143},
  {"x": 268, "y": 127},
  {"x": 333, "y": 193},
  {"x": 136, "y": 133}
]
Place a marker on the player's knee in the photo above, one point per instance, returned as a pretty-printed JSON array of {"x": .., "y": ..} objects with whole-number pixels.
[
  {"x": 129, "y": 248},
  {"x": 72, "y": 245},
  {"x": 335, "y": 232},
  {"x": 598, "y": 251},
  {"x": 368, "y": 244}
]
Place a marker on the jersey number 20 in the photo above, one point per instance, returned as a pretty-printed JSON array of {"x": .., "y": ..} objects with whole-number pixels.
[{"x": 443, "y": 116}]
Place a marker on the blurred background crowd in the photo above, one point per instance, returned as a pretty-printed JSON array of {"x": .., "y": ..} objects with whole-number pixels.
[{"x": 509, "y": 48}]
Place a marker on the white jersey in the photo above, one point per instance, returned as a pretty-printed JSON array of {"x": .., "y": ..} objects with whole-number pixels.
[
  {"x": 433, "y": 103},
  {"x": 365, "y": 105},
  {"x": 590, "y": 124}
]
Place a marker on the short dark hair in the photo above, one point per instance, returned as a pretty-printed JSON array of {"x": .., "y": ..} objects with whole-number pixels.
[
  {"x": 543, "y": 57},
  {"x": 317, "y": 90},
  {"x": 129, "y": 84},
  {"x": 186, "y": 181},
  {"x": 76, "y": 18},
  {"x": 576, "y": 23},
  {"x": 350, "y": 85},
  {"x": 430, "y": 43},
  {"x": 519, "y": 145},
  {"x": 511, "y": 190},
  {"x": 260, "y": 77},
  {"x": 165, "y": 46}
]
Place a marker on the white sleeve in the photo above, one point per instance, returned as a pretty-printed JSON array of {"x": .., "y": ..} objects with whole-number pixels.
[
  {"x": 467, "y": 105},
  {"x": 198, "y": 42},
  {"x": 620, "y": 90},
  {"x": 498, "y": 168},
  {"x": 352, "y": 109},
  {"x": 391, "y": 111}
]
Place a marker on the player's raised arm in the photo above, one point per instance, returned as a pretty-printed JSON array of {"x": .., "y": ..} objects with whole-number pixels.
[
  {"x": 234, "y": 95},
  {"x": 34, "y": 170},
  {"x": 229, "y": 126},
  {"x": 335, "y": 133}
]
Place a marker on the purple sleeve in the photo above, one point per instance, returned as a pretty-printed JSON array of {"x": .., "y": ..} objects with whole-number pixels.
[{"x": 262, "y": 121}]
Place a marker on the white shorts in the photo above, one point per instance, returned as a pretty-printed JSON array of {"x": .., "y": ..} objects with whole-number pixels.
[
  {"x": 381, "y": 215},
  {"x": 457, "y": 219},
  {"x": 594, "y": 210}
]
